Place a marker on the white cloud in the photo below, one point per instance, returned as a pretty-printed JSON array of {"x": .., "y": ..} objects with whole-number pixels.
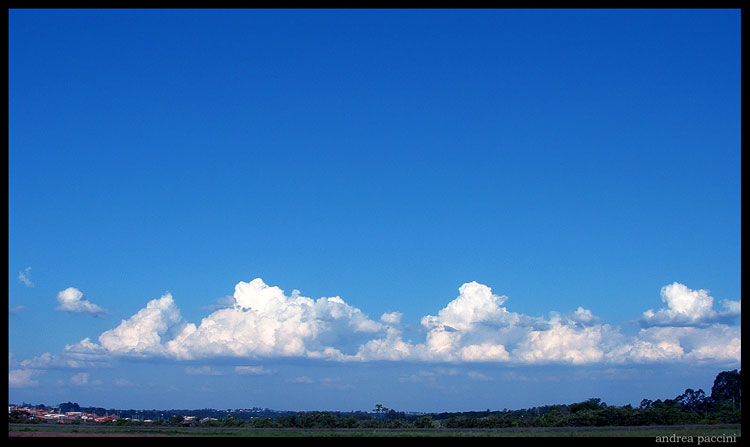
[
  {"x": 391, "y": 317},
  {"x": 83, "y": 354},
  {"x": 45, "y": 360},
  {"x": 265, "y": 322},
  {"x": 80, "y": 379},
  {"x": 25, "y": 277},
  {"x": 687, "y": 307},
  {"x": 301, "y": 379},
  {"x": 484, "y": 352},
  {"x": 392, "y": 347},
  {"x": 476, "y": 304},
  {"x": 123, "y": 382},
  {"x": 71, "y": 300},
  {"x": 476, "y": 375},
  {"x": 253, "y": 370},
  {"x": 732, "y": 308},
  {"x": 656, "y": 344},
  {"x": 221, "y": 303},
  {"x": 562, "y": 343},
  {"x": 143, "y": 333},
  {"x": 580, "y": 318},
  {"x": 721, "y": 342},
  {"x": 21, "y": 378},
  {"x": 201, "y": 371},
  {"x": 474, "y": 327}
]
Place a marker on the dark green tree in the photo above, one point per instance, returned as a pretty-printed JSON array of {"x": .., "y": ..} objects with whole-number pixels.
[
  {"x": 424, "y": 422},
  {"x": 693, "y": 400},
  {"x": 380, "y": 410},
  {"x": 728, "y": 387},
  {"x": 69, "y": 406},
  {"x": 592, "y": 404}
]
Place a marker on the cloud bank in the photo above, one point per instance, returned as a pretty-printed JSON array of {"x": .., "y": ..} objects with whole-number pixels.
[{"x": 261, "y": 322}]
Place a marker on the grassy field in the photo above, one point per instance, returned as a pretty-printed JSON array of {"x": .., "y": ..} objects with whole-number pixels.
[{"x": 724, "y": 432}]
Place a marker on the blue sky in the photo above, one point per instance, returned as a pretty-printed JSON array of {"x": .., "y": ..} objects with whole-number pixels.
[{"x": 324, "y": 209}]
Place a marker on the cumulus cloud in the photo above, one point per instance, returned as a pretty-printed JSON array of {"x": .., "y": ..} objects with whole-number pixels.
[
  {"x": 264, "y": 322},
  {"x": 473, "y": 327},
  {"x": 261, "y": 321},
  {"x": 25, "y": 277},
  {"x": 475, "y": 305},
  {"x": 687, "y": 307},
  {"x": 72, "y": 300},
  {"x": 391, "y": 347},
  {"x": 476, "y": 327},
  {"x": 144, "y": 332},
  {"x": 656, "y": 344},
  {"x": 562, "y": 343}
]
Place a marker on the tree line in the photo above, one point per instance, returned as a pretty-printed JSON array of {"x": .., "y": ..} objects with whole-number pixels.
[{"x": 723, "y": 405}]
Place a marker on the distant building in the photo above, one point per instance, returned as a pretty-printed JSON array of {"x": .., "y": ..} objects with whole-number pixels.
[
  {"x": 109, "y": 418},
  {"x": 54, "y": 416}
]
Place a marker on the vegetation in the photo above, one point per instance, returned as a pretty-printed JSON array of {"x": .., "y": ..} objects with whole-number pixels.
[
  {"x": 704, "y": 434},
  {"x": 693, "y": 407}
]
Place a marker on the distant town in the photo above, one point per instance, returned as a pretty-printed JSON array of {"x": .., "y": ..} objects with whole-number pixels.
[
  {"x": 51, "y": 414},
  {"x": 73, "y": 413}
]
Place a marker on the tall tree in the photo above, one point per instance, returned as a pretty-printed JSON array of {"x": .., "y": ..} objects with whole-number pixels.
[
  {"x": 728, "y": 387},
  {"x": 380, "y": 409},
  {"x": 692, "y": 400}
]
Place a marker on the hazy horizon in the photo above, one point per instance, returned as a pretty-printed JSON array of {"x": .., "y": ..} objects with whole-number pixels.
[{"x": 371, "y": 409}]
